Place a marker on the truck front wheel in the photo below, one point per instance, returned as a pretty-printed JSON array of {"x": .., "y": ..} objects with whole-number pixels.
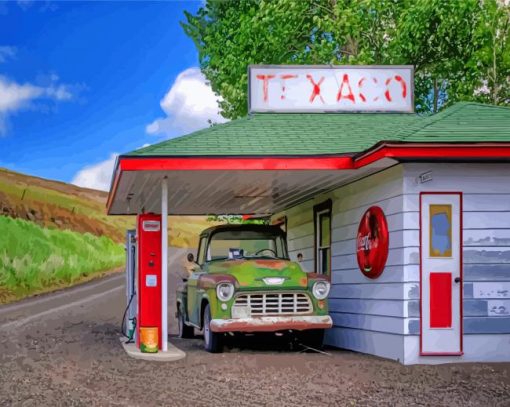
[{"x": 213, "y": 342}]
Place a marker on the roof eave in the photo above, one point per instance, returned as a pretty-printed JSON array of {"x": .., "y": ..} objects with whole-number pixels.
[{"x": 492, "y": 151}]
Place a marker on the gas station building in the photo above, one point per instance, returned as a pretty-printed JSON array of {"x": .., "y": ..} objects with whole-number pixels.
[{"x": 408, "y": 214}]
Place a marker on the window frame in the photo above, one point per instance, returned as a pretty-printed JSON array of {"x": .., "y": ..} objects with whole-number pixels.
[
  {"x": 201, "y": 248},
  {"x": 319, "y": 210}
]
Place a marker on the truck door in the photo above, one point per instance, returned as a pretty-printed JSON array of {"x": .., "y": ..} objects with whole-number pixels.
[{"x": 194, "y": 299}]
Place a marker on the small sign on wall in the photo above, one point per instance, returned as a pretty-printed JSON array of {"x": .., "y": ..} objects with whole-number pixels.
[
  {"x": 425, "y": 177},
  {"x": 342, "y": 88}
]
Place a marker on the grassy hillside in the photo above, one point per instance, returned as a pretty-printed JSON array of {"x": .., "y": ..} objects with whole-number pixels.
[
  {"x": 54, "y": 234},
  {"x": 35, "y": 259},
  {"x": 59, "y": 205},
  {"x": 54, "y": 204}
]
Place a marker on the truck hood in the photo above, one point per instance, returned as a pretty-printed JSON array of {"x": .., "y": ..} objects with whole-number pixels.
[{"x": 262, "y": 273}]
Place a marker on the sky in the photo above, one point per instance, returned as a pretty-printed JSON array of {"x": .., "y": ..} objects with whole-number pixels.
[{"x": 83, "y": 82}]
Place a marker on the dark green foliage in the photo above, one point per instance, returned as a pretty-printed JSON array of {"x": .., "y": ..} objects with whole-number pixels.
[{"x": 460, "y": 48}]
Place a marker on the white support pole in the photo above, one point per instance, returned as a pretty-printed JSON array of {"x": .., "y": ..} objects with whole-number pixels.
[{"x": 164, "y": 264}]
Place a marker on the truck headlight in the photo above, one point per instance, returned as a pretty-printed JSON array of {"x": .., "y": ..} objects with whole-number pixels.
[
  {"x": 224, "y": 291},
  {"x": 320, "y": 290}
]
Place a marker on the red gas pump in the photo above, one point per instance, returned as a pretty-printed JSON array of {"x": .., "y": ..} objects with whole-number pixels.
[{"x": 149, "y": 274}]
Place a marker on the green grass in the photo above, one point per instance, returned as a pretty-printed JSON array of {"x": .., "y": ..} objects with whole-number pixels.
[{"x": 35, "y": 259}]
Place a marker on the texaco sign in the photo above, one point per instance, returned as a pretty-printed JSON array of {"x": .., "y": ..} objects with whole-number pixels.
[{"x": 331, "y": 89}]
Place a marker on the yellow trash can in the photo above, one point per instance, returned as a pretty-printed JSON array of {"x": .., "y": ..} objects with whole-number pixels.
[{"x": 149, "y": 339}]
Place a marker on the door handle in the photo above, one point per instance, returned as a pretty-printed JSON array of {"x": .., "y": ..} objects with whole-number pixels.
[{"x": 457, "y": 279}]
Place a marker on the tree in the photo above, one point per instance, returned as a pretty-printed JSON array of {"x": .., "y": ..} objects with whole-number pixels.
[
  {"x": 231, "y": 35},
  {"x": 459, "y": 48},
  {"x": 491, "y": 62},
  {"x": 437, "y": 37}
]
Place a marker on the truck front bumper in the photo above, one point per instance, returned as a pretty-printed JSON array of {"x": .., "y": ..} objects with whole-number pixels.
[{"x": 271, "y": 324}]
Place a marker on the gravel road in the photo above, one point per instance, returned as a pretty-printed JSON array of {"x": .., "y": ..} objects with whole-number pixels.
[{"x": 63, "y": 350}]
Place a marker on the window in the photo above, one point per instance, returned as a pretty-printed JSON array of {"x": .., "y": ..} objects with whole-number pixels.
[
  {"x": 440, "y": 231},
  {"x": 322, "y": 226},
  {"x": 232, "y": 244}
]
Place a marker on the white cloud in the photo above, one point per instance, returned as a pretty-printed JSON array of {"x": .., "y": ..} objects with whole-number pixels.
[
  {"x": 60, "y": 92},
  {"x": 189, "y": 105},
  {"x": 6, "y": 53},
  {"x": 96, "y": 176},
  {"x": 15, "y": 96}
]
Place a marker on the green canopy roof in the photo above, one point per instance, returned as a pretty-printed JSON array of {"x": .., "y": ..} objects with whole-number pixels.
[{"x": 300, "y": 134}]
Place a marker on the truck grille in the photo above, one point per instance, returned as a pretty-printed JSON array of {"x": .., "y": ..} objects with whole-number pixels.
[{"x": 268, "y": 304}]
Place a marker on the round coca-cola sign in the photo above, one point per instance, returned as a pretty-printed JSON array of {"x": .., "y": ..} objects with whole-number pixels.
[{"x": 372, "y": 242}]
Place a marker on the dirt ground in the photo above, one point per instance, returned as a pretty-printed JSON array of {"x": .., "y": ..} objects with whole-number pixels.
[{"x": 71, "y": 356}]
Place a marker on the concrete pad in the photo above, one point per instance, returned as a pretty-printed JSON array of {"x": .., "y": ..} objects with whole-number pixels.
[{"x": 171, "y": 355}]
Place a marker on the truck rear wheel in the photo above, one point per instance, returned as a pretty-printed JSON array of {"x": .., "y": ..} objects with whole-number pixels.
[
  {"x": 213, "y": 342},
  {"x": 185, "y": 331}
]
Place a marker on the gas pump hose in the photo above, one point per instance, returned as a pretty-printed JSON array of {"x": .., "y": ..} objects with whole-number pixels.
[{"x": 130, "y": 337}]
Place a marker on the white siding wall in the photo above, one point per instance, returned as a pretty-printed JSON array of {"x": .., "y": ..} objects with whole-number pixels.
[
  {"x": 369, "y": 315},
  {"x": 381, "y": 317},
  {"x": 486, "y": 229}
]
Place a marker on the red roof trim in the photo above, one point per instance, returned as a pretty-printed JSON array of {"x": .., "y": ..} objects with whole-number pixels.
[
  {"x": 235, "y": 163},
  {"x": 435, "y": 151},
  {"x": 396, "y": 151},
  {"x": 225, "y": 163}
]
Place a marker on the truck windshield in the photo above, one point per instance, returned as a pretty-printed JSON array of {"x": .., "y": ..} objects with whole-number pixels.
[{"x": 246, "y": 244}]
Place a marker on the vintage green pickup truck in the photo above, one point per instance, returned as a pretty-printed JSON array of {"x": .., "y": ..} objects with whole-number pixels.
[{"x": 244, "y": 282}]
